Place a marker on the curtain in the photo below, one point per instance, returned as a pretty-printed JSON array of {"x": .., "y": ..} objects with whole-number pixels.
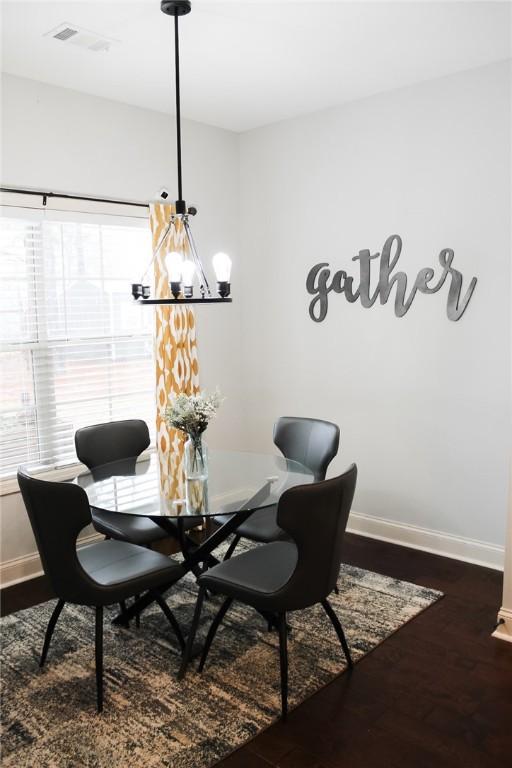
[{"x": 177, "y": 368}]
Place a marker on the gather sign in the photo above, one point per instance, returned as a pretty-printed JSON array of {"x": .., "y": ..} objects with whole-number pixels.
[{"x": 319, "y": 282}]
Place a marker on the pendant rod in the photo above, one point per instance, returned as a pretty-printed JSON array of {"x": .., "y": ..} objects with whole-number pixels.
[{"x": 178, "y": 105}]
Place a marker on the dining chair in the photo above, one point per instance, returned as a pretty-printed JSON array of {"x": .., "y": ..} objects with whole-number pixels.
[
  {"x": 311, "y": 442},
  {"x": 117, "y": 444},
  {"x": 96, "y": 575},
  {"x": 285, "y": 576}
]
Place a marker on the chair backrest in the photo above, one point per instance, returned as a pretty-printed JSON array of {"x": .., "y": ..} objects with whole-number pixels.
[
  {"x": 315, "y": 517},
  {"x": 116, "y": 441},
  {"x": 312, "y": 442},
  {"x": 57, "y": 513}
]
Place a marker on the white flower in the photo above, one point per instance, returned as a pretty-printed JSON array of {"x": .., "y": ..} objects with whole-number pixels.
[{"x": 192, "y": 413}]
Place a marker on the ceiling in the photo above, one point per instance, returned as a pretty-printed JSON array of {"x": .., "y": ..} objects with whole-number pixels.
[{"x": 247, "y": 64}]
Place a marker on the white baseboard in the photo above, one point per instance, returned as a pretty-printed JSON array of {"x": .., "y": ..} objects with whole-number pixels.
[
  {"x": 457, "y": 547},
  {"x": 29, "y": 566},
  {"x": 445, "y": 544},
  {"x": 504, "y": 629}
]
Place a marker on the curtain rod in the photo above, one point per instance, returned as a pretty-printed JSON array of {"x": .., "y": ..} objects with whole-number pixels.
[{"x": 46, "y": 195}]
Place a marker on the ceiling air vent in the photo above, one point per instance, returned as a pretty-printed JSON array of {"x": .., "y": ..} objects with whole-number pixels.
[
  {"x": 83, "y": 38},
  {"x": 65, "y": 33}
]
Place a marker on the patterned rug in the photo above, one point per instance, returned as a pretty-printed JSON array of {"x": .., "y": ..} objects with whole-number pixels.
[{"x": 150, "y": 719}]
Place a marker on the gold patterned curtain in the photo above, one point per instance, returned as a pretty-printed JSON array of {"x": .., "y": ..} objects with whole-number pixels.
[{"x": 177, "y": 368}]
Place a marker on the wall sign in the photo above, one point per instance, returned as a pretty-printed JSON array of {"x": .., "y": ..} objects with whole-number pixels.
[{"x": 319, "y": 283}]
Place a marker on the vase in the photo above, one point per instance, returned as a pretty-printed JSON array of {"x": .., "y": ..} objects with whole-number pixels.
[{"x": 196, "y": 475}]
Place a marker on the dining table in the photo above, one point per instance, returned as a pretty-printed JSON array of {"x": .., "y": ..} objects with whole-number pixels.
[{"x": 238, "y": 484}]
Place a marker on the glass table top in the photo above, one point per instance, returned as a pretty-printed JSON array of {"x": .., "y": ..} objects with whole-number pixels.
[{"x": 236, "y": 480}]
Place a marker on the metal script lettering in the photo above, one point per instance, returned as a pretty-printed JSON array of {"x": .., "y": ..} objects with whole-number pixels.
[{"x": 319, "y": 283}]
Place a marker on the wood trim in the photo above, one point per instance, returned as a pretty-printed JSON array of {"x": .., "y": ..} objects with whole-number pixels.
[
  {"x": 29, "y": 566},
  {"x": 437, "y": 542},
  {"x": 504, "y": 629},
  {"x": 10, "y": 485}
]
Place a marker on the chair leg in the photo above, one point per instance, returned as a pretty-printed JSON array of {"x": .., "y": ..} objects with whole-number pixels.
[
  {"x": 170, "y": 617},
  {"x": 187, "y": 653},
  {"x": 283, "y": 660},
  {"x": 122, "y": 608},
  {"x": 212, "y": 631},
  {"x": 136, "y": 597},
  {"x": 339, "y": 631},
  {"x": 232, "y": 547},
  {"x": 49, "y": 630},
  {"x": 98, "y": 649}
]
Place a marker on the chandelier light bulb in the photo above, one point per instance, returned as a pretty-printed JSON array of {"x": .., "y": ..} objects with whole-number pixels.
[
  {"x": 222, "y": 267},
  {"x": 174, "y": 263},
  {"x": 188, "y": 271}
]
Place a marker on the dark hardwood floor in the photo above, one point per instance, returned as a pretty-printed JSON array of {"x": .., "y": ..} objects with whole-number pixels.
[{"x": 437, "y": 694}]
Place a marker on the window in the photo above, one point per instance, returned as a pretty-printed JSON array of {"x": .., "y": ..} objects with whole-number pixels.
[{"x": 75, "y": 349}]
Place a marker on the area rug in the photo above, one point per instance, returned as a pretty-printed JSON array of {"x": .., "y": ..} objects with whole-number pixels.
[{"x": 150, "y": 719}]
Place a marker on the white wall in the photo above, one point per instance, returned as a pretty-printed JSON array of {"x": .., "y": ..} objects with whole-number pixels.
[
  {"x": 423, "y": 402},
  {"x": 60, "y": 140}
]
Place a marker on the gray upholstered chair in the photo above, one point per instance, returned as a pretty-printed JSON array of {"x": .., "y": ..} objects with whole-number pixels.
[
  {"x": 313, "y": 443},
  {"x": 286, "y": 576},
  {"x": 96, "y": 575}
]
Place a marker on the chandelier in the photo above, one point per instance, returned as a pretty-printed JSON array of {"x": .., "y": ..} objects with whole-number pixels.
[{"x": 184, "y": 273}]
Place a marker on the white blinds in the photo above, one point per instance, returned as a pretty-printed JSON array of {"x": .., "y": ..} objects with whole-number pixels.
[{"x": 75, "y": 349}]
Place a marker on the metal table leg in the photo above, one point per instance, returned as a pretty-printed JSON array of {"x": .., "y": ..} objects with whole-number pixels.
[
  {"x": 202, "y": 552},
  {"x": 192, "y": 558}
]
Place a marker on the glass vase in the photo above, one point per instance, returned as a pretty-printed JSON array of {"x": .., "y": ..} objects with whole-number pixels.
[{"x": 196, "y": 475}]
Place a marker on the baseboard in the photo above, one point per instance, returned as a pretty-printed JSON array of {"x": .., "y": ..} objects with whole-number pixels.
[
  {"x": 436, "y": 542},
  {"x": 504, "y": 629},
  {"x": 457, "y": 547},
  {"x": 29, "y": 566}
]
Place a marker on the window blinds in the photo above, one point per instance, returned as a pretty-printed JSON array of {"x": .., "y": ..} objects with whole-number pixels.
[{"x": 75, "y": 349}]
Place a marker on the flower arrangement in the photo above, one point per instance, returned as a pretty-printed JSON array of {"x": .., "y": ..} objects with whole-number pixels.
[{"x": 192, "y": 413}]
